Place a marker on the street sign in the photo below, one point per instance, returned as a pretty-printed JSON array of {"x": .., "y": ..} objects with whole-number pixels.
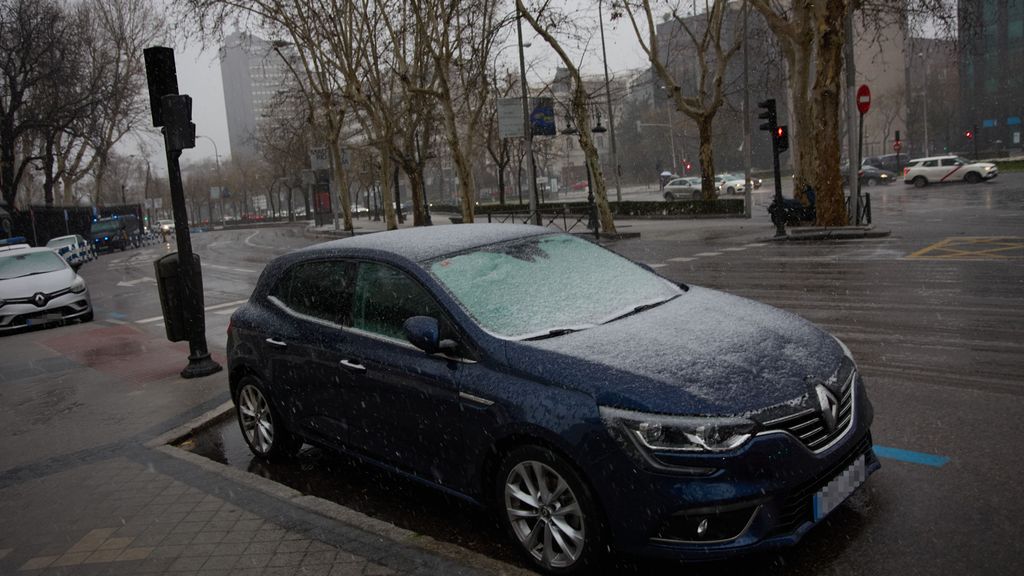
[
  {"x": 318, "y": 158},
  {"x": 897, "y": 146},
  {"x": 863, "y": 99}
]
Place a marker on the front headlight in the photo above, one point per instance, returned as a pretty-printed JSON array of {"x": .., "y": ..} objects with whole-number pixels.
[
  {"x": 846, "y": 350},
  {"x": 681, "y": 433},
  {"x": 78, "y": 285}
]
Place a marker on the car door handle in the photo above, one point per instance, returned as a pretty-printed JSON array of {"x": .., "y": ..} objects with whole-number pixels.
[
  {"x": 276, "y": 343},
  {"x": 353, "y": 366}
]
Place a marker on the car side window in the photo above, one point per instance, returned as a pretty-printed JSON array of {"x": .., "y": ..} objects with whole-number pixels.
[
  {"x": 949, "y": 161},
  {"x": 321, "y": 289},
  {"x": 386, "y": 297},
  {"x": 931, "y": 164}
]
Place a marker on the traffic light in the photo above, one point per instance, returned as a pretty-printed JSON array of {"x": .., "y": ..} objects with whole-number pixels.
[
  {"x": 782, "y": 138},
  {"x": 768, "y": 114},
  {"x": 969, "y": 135}
]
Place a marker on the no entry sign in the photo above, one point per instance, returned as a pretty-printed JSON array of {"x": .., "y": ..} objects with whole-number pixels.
[{"x": 863, "y": 99}]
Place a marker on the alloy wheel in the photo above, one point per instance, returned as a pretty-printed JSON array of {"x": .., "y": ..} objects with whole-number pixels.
[
  {"x": 545, "y": 514},
  {"x": 257, "y": 422}
]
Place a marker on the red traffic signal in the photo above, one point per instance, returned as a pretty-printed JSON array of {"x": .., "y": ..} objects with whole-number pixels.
[
  {"x": 969, "y": 134},
  {"x": 782, "y": 138}
]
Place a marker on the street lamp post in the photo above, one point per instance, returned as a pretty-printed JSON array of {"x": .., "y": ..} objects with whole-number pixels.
[
  {"x": 527, "y": 130},
  {"x": 220, "y": 180},
  {"x": 611, "y": 115}
]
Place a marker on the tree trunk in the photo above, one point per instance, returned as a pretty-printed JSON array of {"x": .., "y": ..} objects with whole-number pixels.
[
  {"x": 803, "y": 131},
  {"x": 48, "y": 179},
  {"x": 339, "y": 176},
  {"x": 7, "y": 147},
  {"x": 501, "y": 184},
  {"x": 387, "y": 194},
  {"x": 586, "y": 140},
  {"x": 707, "y": 157},
  {"x": 831, "y": 205}
]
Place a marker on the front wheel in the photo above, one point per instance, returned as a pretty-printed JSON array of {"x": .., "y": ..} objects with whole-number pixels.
[
  {"x": 549, "y": 511},
  {"x": 871, "y": 182},
  {"x": 261, "y": 425},
  {"x": 669, "y": 196},
  {"x": 972, "y": 177}
]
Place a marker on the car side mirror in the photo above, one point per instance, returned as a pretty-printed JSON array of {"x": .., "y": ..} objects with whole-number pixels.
[
  {"x": 424, "y": 333},
  {"x": 76, "y": 266}
]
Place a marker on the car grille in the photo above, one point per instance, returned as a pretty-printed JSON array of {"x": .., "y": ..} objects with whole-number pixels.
[
  {"x": 809, "y": 425},
  {"x": 796, "y": 507}
]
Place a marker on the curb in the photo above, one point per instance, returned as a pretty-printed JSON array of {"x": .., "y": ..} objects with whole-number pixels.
[
  {"x": 826, "y": 233},
  {"x": 319, "y": 506}
]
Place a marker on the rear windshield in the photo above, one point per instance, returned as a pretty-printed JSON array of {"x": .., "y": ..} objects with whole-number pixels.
[{"x": 18, "y": 265}]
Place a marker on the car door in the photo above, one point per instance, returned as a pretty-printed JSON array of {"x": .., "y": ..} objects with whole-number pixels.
[
  {"x": 404, "y": 408},
  {"x": 951, "y": 170},
  {"x": 307, "y": 343}
]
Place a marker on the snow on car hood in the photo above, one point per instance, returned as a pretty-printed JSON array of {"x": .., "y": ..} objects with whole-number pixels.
[
  {"x": 705, "y": 352},
  {"x": 46, "y": 282}
]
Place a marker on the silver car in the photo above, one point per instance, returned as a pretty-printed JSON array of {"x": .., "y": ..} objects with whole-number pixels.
[{"x": 38, "y": 287}]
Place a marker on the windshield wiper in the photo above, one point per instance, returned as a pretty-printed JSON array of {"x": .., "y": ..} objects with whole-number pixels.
[
  {"x": 553, "y": 333},
  {"x": 641, "y": 308}
]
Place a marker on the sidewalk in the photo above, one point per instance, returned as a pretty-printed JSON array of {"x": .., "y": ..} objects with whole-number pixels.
[{"x": 89, "y": 485}]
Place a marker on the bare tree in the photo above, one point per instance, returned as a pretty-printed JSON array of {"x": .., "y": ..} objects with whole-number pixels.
[
  {"x": 705, "y": 34},
  {"x": 546, "y": 20}
]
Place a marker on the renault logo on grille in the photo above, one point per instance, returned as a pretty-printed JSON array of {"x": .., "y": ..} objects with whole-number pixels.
[
  {"x": 39, "y": 299},
  {"x": 829, "y": 406}
]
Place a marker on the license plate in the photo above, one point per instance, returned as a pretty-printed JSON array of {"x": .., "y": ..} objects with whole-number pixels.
[
  {"x": 839, "y": 489},
  {"x": 45, "y": 318}
]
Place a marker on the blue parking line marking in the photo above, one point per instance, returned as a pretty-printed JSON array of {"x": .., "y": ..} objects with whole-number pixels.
[
  {"x": 932, "y": 460},
  {"x": 117, "y": 315}
]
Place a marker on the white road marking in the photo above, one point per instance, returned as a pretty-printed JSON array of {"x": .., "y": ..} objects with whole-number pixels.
[
  {"x": 235, "y": 304},
  {"x": 132, "y": 283},
  {"x": 113, "y": 321},
  {"x": 226, "y": 311},
  {"x": 705, "y": 254},
  {"x": 681, "y": 259},
  {"x": 734, "y": 249},
  {"x": 756, "y": 245},
  {"x": 230, "y": 268},
  {"x": 657, "y": 265}
]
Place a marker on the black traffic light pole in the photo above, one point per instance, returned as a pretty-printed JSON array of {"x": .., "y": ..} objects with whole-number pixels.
[
  {"x": 778, "y": 214},
  {"x": 173, "y": 112}
]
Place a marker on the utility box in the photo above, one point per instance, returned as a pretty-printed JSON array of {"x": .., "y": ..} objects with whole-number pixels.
[{"x": 169, "y": 283}]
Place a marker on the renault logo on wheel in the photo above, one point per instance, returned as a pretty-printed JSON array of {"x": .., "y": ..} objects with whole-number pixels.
[
  {"x": 39, "y": 299},
  {"x": 829, "y": 406}
]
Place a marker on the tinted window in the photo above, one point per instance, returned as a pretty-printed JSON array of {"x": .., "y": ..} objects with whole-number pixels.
[
  {"x": 931, "y": 164},
  {"x": 319, "y": 289},
  {"x": 385, "y": 298},
  {"x": 949, "y": 161}
]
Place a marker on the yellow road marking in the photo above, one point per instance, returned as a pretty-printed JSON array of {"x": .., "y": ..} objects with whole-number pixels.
[{"x": 973, "y": 248}]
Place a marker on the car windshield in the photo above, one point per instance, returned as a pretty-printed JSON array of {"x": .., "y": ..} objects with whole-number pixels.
[
  {"x": 62, "y": 241},
  {"x": 18, "y": 265},
  {"x": 105, "y": 226},
  {"x": 547, "y": 285}
]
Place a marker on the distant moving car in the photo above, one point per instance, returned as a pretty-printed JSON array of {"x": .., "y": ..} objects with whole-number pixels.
[
  {"x": 923, "y": 171},
  {"x": 869, "y": 176},
  {"x": 120, "y": 232},
  {"x": 736, "y": 183},
  {"x": 73, "y": 248},
  {"x": 166, "y": 226},
  {"x": 682, "y": 189},
  {"x": 889, "y": 162},
  {"x": 39, "y": 287},
  {"x": 590, "y": 402}
]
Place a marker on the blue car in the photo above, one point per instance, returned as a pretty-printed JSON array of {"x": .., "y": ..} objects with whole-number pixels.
[{"x": 596, "y": 405}]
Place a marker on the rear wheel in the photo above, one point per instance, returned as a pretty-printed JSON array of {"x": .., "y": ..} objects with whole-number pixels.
[
  {"x": 261, "y": 425},
  {"x": 920, "y": 182},
  {"x": 549, "y": 511},
  {"x": 731, "y": 190},
  {"x": 972, "y": 177},
  {"x": 670, "y": 196}
]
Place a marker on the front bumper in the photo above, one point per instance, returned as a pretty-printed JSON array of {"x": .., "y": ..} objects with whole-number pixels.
[
  {"x": 759, "y": 497},
  {"x": 15, "y": 316}
]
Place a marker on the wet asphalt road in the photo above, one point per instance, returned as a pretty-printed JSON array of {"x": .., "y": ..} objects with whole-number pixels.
[{"x": 933, "y": 314}]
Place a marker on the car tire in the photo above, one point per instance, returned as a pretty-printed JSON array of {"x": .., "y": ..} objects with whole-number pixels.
[
  {"x": 730, "y": 190},
  {"x": 871, "y": 182},
  {"x": 669, "y": 197},
  {"x": 87, "y": 317},
  {"x": 262, "y": 427},
  {"x": 920, "y": 182},
  {"x": 549, "y": 511},
  {"x": 972, "y": 177}
]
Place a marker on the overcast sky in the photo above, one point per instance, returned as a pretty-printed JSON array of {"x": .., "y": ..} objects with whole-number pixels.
[{"x": 199, "y": 77}]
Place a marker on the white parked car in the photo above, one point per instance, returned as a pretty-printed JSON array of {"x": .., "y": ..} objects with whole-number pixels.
[
  {"x": 39, "y": 287},
  {"x": 923, "y": 171},
  {"x": 72, "y": 248}
]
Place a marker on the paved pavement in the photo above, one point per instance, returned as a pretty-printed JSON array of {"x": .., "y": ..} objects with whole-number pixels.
[{"x": 89, "y": 485}]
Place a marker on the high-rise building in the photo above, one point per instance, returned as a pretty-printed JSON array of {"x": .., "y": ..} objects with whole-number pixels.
[
  {"x": 253, "y": 72},
  {"x": 991, "y": 41}
]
